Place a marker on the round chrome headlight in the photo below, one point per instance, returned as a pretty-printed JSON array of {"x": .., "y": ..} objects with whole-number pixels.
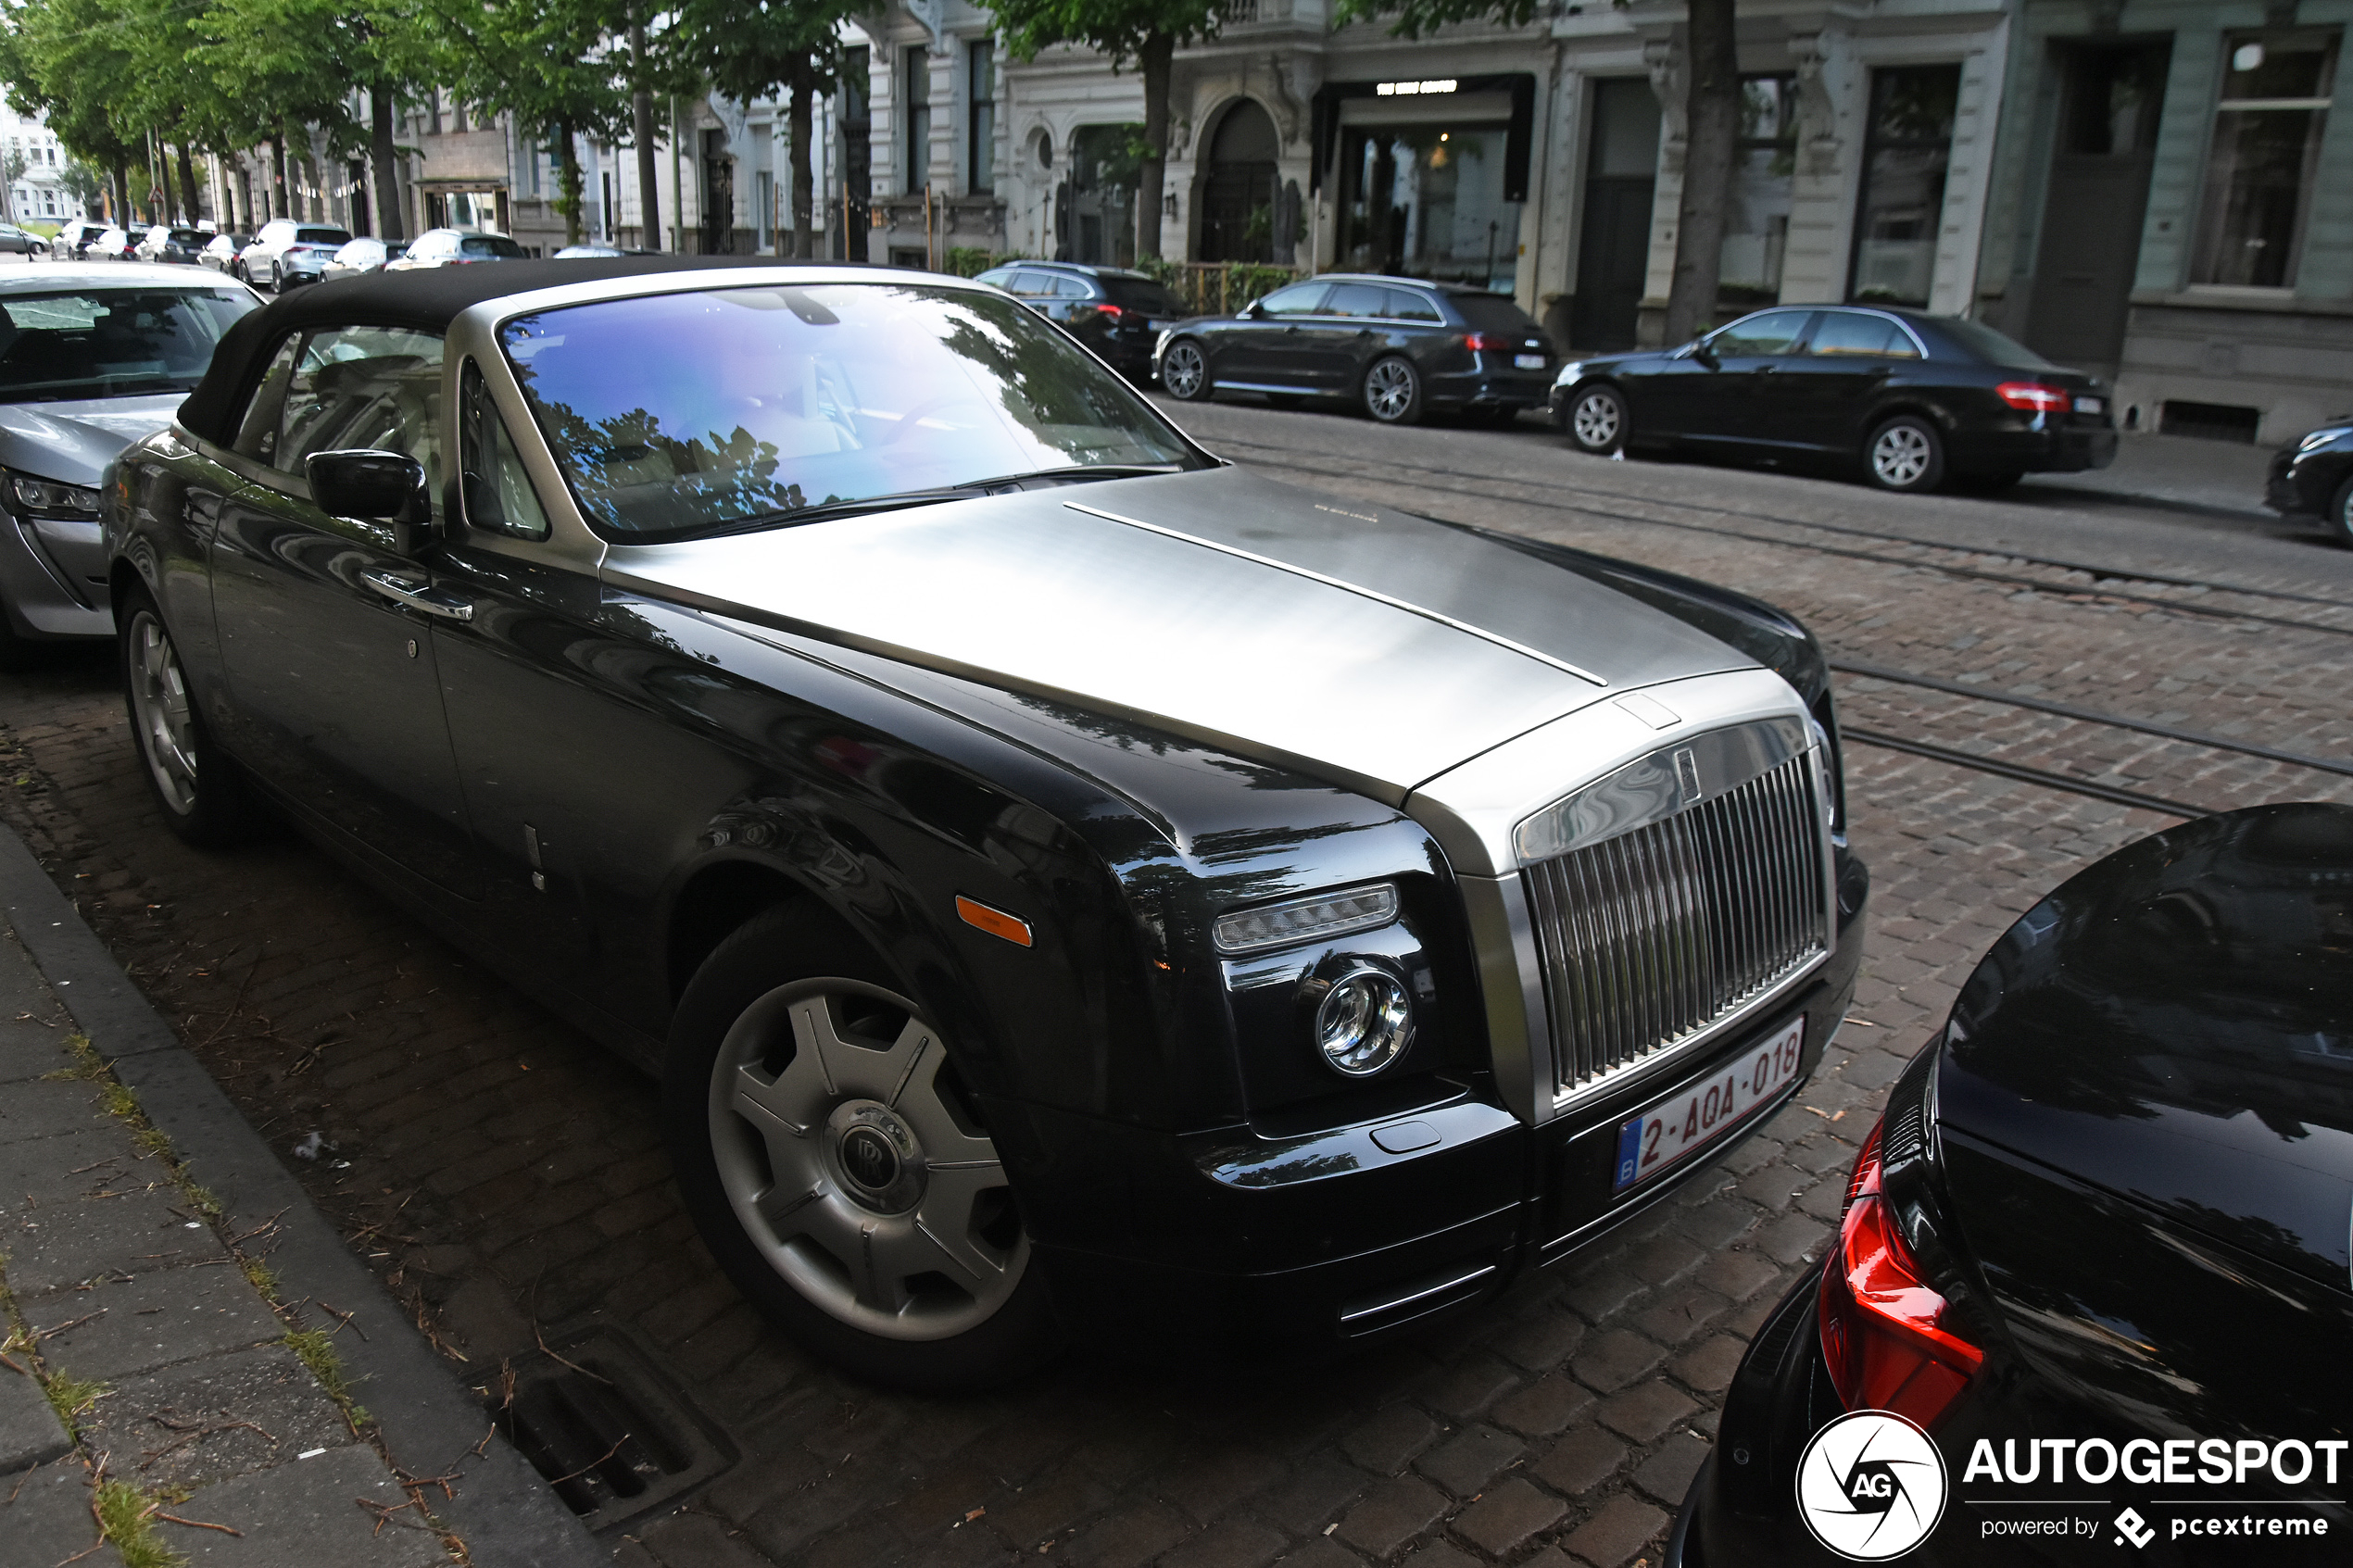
[{"x": 1366, "y": 1022}]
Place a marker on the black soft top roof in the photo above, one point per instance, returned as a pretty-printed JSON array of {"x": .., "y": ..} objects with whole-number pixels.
[{"x": 427, "y": 300}]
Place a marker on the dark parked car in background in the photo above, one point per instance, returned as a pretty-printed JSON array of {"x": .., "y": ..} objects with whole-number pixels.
[
  {"x": 1395, "y": 346},
  {"x": 2314, "y": 478},
  {"x": 1117, "y": 313},
  {"x": 1021, "y": 951},
  {"x": 1916, "y": 399},
  {"x": 162, "y": 242},
  {"x": 93, "y": 358},
  {"x": 221, "y": 252},
  {"x": 455, "y": 247},
  {"x": 2101, "y": 1231}
]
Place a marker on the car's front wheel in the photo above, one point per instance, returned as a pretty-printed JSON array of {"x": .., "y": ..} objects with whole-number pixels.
[
  {"x": 1184, "y": 371},
  {"x": 2341, "y": 512},
  {"x": 1906, "y": 454},
  {"x": 1394, "y": 391},
  {"x": 1596, "y": 421},
  {"x": 204, "y": 798},
  {"x": 834, "y": 1164},
  {"x": 277, "y": 280}
]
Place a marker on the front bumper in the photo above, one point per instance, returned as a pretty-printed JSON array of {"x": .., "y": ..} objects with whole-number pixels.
[
  {"x": 46, "y": 566},
  {"x": 1251, "y": 1245}
]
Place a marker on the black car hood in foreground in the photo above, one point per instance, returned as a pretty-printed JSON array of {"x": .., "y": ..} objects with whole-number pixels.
[
  {"x": 2175, "y": 1026},
  {"x": 1361, "y": 645}
]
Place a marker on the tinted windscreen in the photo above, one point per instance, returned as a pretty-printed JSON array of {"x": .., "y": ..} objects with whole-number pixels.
[
  {"x": 107, "y": 342},
  {"x": 673, "y": 414},
  {"x": 1493, "y": 313},
  {"x": 1986, "y": 343},
  {"x": 499, "y": 245},
  {"x": 322, "y": 237},
  {"x": 1136, "y": 294}
]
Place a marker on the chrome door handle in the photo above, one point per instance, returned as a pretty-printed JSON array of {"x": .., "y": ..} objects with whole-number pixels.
[{"x": 419, "y": 595}]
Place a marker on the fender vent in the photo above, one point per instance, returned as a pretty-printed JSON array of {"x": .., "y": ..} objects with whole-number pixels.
[{"x": 610, "y": 1433}]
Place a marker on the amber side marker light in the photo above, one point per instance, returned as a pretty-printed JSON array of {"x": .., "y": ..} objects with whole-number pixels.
[
  {"x": 1881, "y": 1323},
  {"x": 997, "y": 923}
]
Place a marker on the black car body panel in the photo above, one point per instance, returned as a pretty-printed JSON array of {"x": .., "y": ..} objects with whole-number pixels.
[
  {"x": 2132, "y": 1181},
  {"x": 1117, "y": 313},
  {"x": 1318, "y": 337},
  {"x": 2314, "y": 477},
  {"x": 1793, "y": 400},
  {"x": 602, "y": 770}
]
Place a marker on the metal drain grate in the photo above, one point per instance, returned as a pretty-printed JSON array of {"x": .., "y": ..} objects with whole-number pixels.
[{"x": 610, "y": 1432}]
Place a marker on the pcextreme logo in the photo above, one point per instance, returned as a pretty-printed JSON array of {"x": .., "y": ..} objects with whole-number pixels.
[{"x": 1870, "y": 1486}]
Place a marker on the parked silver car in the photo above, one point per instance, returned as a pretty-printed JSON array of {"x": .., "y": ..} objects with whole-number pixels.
[
  {"x": 285, "y": 253},
  {"x": 362, "y": 255},
  {"x": 222, "y": 251},
  {"x": 92, "y": 358},
  {"x": 456, "y": 247}
]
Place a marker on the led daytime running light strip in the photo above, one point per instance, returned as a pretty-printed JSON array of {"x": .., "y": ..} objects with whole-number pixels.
[{"x": 1304, "y": 919}]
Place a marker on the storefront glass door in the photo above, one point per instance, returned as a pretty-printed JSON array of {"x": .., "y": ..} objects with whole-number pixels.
[{"x": 1426, "y": 201}]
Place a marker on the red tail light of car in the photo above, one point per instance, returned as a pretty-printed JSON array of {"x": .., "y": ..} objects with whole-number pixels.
[
  {"x": 1881, "y": 1325},
  {"x": 2033, "y": 397},
  {"x": 1489, "y": 343}
]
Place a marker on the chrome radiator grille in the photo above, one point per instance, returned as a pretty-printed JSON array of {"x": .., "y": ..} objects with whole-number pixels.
[{"x": 1650, "y": 938}]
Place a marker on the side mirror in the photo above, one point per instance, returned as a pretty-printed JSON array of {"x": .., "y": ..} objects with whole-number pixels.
[
  {"x": 1250, "y": 312},
  {"x": 374, "y": 486},
  {"x": 1704, "y": 355}
]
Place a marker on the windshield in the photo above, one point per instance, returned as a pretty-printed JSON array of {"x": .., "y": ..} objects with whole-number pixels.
[
  {"x": 744, "y": 405},
  {"x": 109, "y": 342},
  {"x": 322, "y": 237},
  {"x": 1992, "y": 346},
  {"x": 499, "y": 245}
]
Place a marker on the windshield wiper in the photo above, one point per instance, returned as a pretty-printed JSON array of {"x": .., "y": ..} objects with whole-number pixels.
[
  {"x": 825, "y": 509},
  {"x": 1077, "y": 472}
]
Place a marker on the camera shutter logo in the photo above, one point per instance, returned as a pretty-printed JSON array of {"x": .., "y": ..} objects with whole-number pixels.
[{"x": 1870, "y": 1486}]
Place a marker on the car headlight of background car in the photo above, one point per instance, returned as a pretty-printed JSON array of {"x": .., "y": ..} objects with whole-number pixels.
[
  {"x": 1570, "y": 374},
  {"x": 49, "y": 498},
  {"x": 2320, "y": 438}
]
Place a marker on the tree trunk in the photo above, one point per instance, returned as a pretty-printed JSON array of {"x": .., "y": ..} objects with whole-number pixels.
[
  {"x": 568, "y": 176},
  {"x": 641, "y": 116},
  {"x": 381, "y": 158},
  {"x": 798, "y": 120},
  {"x": 1713, "y": 114},
  {"x": 119, "y": 198},
  {"x": 278, "y": 207},
  {"x": 1158, "y": 50},
  {"x": 188, "y": 181},
  {"x": 677, "y": 180}
]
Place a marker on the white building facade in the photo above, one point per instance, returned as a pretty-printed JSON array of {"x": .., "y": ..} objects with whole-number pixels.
[{"x": 38, "y": 195}]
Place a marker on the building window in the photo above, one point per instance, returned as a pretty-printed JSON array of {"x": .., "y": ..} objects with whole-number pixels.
[
  {"x": 981, "y": 68},
  {"x": 1756, "y": 216},
  {"x": 1906, "y": 154},
  {"x": 2267, "y": 144},
  {"x": 918, "y": 119}
]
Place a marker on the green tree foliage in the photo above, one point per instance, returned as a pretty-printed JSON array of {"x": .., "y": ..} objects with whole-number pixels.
[
  {"x": 552, "y": 64},
  {"x": 768, "y": 49},
  {"x": 1143, "y": 34}
]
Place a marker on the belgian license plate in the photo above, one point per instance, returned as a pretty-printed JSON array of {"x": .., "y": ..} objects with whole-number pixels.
[
  {"x": 2090, "y": 406},
  {"x": 1527, "y": 361},
  {"x": 1675, "y": 1128}
]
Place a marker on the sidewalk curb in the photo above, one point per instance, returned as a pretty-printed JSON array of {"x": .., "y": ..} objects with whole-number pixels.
[{"x": 507, "y": 1515}]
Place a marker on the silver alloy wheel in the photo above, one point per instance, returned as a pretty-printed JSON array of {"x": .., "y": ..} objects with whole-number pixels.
[
  {"x": 1596, "y": 420},
  {"x": 1181, "y": 369},
  {"x": 167, "y": 723},
  {"x": 1389, "y": 389},
  {"x": 848, "y": 1171},
  {"x": 1900, "y": 455}
]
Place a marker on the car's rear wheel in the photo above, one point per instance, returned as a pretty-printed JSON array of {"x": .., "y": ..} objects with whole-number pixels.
[
  {"x": 1904, "y": 454},
  {"x": 277, "y": 280},
  {"x": 2341, "y": 513},
  {"x": 1184, "y": 371},
  {"x": 834, "y": 1163},
  {"x": 1394, "y": 391},
  {"x": 204, "y": 798},
  {"x": 1597, "y": 422}
]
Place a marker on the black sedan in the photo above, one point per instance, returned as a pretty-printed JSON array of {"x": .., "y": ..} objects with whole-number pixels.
[
  {"x": 2314, "y": 478},
  {"x": 850, "y": 700},
  {"x": 1916, "y": 399},
  {"x": 1118, "y": 314},
  {"x": 2095, "y": 1254},
  {"x": 1397, "y": 348}
]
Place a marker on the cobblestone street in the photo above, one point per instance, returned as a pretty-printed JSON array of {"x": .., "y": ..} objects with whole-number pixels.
[{"x": 506, "y": 1177}]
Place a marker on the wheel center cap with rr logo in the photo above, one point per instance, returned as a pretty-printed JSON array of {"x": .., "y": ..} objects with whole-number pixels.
[{"x": 876, "y": 1156}]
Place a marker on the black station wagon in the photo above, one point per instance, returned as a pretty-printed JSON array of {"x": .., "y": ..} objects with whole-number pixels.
[{"x": 1057, "y": 877}]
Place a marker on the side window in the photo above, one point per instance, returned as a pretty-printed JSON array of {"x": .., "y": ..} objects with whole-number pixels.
[
  {"x": 1068, "y": 287},
  {"x": 377, "y": 387},
  {"x": 1843, "y": 331},
  {"x": 1365, "y": 300},
  {"x": 1408, "y": 306},
  {"x": 258, "y": 432},
  {"x": 1774, "y": 331},
  {"x": 498, "y": 497},
  {"x": 1297, "y": 299}
]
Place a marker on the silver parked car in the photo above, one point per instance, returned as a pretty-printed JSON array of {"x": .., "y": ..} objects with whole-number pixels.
[
  {"x": 362, "y": 255},
  {"x": 285, "y": 253},
  {"x": 221, "y": 252},
  {"x": 92, "y": 358}
]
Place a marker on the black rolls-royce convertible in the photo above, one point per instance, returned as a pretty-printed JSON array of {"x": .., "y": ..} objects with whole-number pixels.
[
  {"x": 1059, "y": 877},
  {"x": 2096, "y": 1251}
]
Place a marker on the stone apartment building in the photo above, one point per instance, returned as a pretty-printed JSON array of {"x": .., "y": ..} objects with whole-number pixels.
[{"x": 38, "y": 195}]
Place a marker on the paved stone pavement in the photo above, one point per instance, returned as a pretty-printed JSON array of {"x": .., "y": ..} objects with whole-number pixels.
[{"x": 505, "y": 1175}]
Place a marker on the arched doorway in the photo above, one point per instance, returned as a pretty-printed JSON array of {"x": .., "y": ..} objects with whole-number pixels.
[{"x": 1238, "y": 198}]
